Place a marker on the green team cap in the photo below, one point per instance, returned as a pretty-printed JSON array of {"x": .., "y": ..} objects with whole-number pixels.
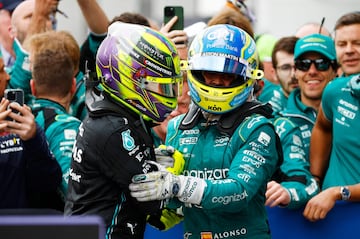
[{"x": 316, "y": 43}]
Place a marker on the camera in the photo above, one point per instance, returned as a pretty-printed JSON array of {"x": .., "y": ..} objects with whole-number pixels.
[
  {"x": 14, "y": 95},
  {"x": 169, "y": 11}
]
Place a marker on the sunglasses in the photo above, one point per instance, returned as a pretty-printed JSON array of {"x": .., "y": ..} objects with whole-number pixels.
[{"x": 320, "y": 64}]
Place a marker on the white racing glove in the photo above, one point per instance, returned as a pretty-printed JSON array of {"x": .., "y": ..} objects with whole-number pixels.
[
  {"x": 170, "y": 158},
  {"x": 162, "y": 185}
]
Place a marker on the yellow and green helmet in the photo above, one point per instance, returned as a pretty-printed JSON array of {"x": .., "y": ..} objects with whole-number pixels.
[{"x": 140, "y": 68}]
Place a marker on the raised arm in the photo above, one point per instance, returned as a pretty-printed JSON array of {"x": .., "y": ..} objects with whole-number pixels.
[
  {"x": 41, "y": 19},
  {"x": 179, "y": 37},
  {"x": 94, "y": 15}
]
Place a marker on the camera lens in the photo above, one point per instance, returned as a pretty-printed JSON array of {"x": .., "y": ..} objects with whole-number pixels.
[
  {"x": 11, "y": 96},
  {"x": 169, "y": 11}
]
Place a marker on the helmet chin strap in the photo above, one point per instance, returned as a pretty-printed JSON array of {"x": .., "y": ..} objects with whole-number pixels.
[{"x": 355, "y": 86}]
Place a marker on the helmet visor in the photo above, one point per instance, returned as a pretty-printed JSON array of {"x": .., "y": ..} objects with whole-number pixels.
[
  {"x": 168, "y": 87},
  {"x": 220, "y": 64}
]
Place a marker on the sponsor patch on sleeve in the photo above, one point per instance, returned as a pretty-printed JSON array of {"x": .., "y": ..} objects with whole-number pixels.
[{"x": 264, "y": 138}]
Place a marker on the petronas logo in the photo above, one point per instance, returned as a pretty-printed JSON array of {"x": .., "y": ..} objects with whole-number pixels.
[{"x": 128, "y": 141}]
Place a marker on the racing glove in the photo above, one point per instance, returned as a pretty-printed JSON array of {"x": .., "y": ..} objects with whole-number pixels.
[
  {"x": 165, "y": 219},
  {"x": 162, "y": 185},
  {"x": 170, "y": 158}
]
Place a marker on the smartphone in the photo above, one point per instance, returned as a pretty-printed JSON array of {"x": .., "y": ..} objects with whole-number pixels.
[
  {"x": 170, "y": 12},
  {"x": 15, "y": 95}
]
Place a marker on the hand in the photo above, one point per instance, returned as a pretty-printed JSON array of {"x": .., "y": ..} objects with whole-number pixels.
[
  {"x": 170, "y": 158},
  {"x": 165, "y": 219},
  {"x": 162, "y": 185},
  {"x": 318, "y": 207},
  {"x": 179, "y": 37},
  {"x": 157, "y": 185},
  {"x": 23, "y": 124},
  {"x": 276, "y": 195},
  {"x": 45, "y": 7},
  {"x": 4, "y": 113}
]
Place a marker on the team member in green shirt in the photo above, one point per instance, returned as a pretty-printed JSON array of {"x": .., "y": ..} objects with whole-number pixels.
[
  {"x": 334, "y": 151},
  {"x": 315, "y": 66}
]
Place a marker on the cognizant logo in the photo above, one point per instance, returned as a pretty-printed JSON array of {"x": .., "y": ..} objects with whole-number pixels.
[
  {"x": 211, "y": 174},
  {"x": 227, "y": 199}
]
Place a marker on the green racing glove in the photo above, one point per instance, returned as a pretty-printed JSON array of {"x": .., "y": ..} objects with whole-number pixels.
[{"x": 165, "y": 219}]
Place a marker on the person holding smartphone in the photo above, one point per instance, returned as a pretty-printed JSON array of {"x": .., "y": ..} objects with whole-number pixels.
[
  {"x": 173, "y": 28},
  {"x": 27, "y": 167}
]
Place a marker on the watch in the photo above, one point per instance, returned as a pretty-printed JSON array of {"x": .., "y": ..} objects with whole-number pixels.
[{"x": 345, "y": 193}]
